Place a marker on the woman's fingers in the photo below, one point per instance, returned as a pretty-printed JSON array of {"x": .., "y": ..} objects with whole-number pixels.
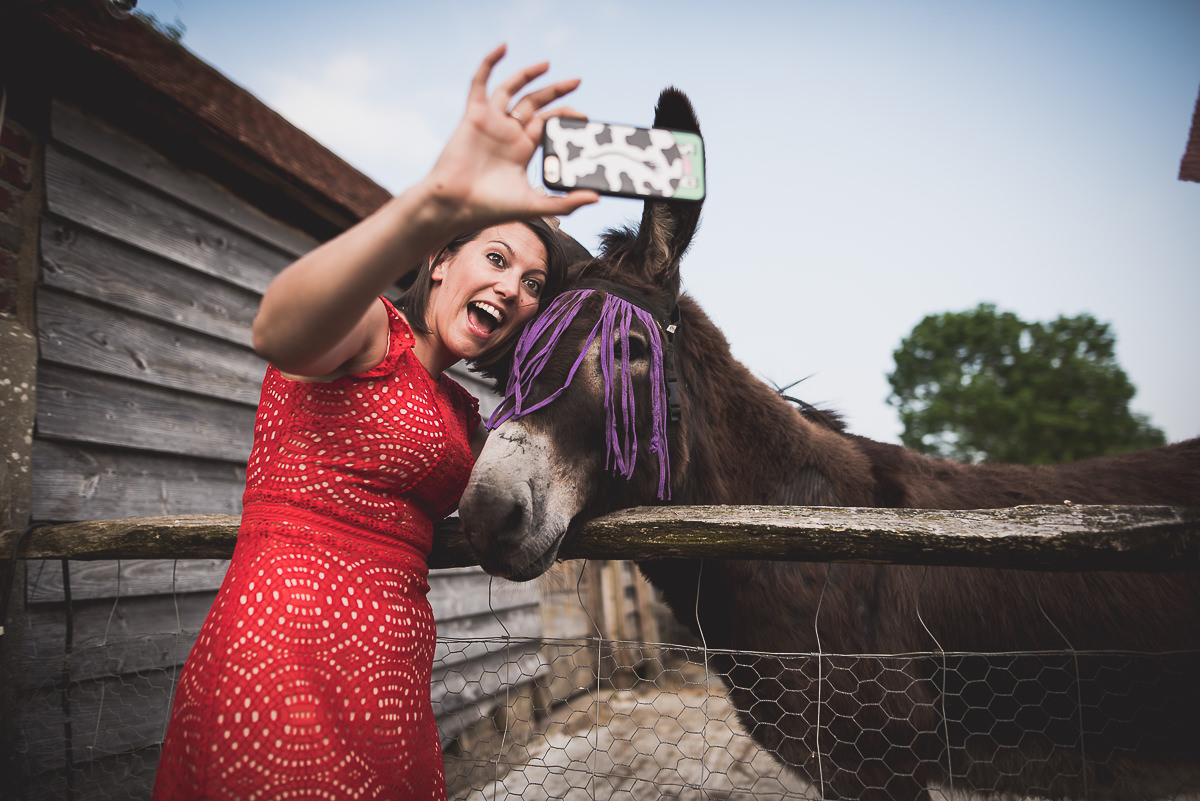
[
  {"x": 540, "y": 118},
  {"x": 531, "y": 105},
  {"x": 509, "y": 88},
  {"x": 484, "y": 165},
  {"x": 479, "y": 82},
  {"x": 563, "y": 111},
  {"x": 540, "y": 98},
  {"x": 529, "y": 108},
  {"x": 562, "y": 205}
]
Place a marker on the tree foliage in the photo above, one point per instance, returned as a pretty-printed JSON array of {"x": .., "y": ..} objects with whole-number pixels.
[{"x": 983, "y": 385}]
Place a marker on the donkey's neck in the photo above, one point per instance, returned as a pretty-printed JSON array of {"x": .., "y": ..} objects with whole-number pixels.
[{"x": 745, "y": 443}]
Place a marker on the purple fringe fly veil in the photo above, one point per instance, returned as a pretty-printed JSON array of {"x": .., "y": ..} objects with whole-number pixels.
[{"x": 616, "y": 317}]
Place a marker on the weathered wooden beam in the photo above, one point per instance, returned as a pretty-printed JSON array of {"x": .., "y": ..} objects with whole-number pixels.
[
  {"x": 1069, "y": 538},
  {"x": 1144, "y": 538},
  {"x": 164, "y": 537}
]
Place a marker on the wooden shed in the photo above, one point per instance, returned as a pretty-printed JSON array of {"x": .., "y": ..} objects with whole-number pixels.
[{"x": 145, "y": 202}]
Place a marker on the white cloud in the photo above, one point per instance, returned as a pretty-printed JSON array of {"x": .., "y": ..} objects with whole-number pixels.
[{"x": 356, "y": 106}]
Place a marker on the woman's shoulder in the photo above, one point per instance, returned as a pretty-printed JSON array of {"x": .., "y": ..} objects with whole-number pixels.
[{"x": 399, "y": 341}]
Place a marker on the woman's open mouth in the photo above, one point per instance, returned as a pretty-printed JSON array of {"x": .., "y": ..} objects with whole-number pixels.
[{"x": 484, "y": 318}]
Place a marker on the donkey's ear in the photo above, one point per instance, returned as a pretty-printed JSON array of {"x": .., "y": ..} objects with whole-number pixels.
[
  {"x": 674, "y": 111},
  {"x": 668, "y": 225}
]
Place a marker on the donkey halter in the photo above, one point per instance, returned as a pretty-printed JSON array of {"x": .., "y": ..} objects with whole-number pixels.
[
  {"x": 540, "y": 338},
  {"x": 666, "y": 327}
]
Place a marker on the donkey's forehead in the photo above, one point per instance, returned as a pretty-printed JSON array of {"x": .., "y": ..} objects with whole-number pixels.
[
  {"x": 539, "y": 355},
  {"x": 579, "y": 309},
  {"x": 645, "y": 297}
]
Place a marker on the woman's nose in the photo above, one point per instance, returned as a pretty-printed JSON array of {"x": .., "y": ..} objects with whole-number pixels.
[{"x": 508, "y": 284}]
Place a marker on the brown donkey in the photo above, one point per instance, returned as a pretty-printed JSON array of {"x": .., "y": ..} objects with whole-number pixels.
[{"x": 1082, "y": 685}]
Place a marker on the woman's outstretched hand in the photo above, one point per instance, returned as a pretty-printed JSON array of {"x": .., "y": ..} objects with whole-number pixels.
[
  {"x": 321, "y": 313},
  {"x": 481, "y": 179}
]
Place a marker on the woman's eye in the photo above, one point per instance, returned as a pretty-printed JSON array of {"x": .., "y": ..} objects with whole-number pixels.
[
  {"x": 534, "y": 285},
  {"x": 496, "y": 258}
]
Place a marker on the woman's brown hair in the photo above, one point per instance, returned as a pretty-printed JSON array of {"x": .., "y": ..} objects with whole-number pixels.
[{"x": 560, "y": 254}]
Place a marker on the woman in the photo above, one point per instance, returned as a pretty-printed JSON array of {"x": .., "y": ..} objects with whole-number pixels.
[{"x": 310, "y": 676}]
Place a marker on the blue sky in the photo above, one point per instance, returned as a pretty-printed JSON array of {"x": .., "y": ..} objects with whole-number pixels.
[{"x": 869, "y": 162}]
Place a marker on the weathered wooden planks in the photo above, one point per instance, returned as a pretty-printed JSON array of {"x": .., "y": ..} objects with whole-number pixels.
[
  {"x": 100, "y": 409},
  {"x": 81, "y": 262},
  {"x": 146, "y": 396},
  {"x": 108, "y": 636},
  {"x": 75, "y": 332},
  {"x": 107, "y": 145},
  {"x": 108, "y": 716},
  {"x": 80, "y": 481},
  {"x": 126, "y": 578},
  {"x": 100, "y": 200}
]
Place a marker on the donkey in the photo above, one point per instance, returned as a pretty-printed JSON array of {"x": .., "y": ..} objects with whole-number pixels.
[{"x": 624, "y": 393}]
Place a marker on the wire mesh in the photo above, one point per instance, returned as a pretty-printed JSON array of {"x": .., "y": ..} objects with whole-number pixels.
[
  {"x": 668, "y": 728},
  {"x": 591, "y": 718},
  {"x": 91, "y": 727}
]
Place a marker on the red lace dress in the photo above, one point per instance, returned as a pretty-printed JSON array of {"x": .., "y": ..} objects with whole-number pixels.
[{"x": 310, "y": 677}]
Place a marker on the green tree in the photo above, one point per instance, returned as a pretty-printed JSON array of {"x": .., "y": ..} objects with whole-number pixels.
[{"x": 983, "y": 385}]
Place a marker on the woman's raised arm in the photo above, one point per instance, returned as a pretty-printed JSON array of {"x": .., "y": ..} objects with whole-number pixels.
[{"x": 318, "y": 315}]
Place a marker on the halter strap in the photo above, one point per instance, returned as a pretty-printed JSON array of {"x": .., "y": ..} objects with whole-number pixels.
[
  {"x": 620, "y": 307},
  {"x": 667, "y": 327}
]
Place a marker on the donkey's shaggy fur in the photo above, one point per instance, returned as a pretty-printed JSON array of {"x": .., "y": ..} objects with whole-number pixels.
[{"x": 887, "y": 728}]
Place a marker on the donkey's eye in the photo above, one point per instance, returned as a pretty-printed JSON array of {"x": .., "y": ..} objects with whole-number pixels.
[{"x": 635, "y": 344}]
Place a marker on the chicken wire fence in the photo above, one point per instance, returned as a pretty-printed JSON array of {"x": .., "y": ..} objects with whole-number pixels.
[
  {"x": 666, "y": 727},
  {"x": 592, "y": 718}
]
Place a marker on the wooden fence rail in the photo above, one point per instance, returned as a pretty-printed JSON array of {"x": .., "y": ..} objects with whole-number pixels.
[{"x": 1140, "y": 538}]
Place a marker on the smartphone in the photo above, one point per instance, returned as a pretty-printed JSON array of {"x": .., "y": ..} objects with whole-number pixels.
[{"x": 622, "y": 160}]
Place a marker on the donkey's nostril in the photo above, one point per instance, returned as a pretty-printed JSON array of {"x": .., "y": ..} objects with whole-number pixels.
[
  {"x": 492, "y": 521},
  {"x": 513, "y": 522}
]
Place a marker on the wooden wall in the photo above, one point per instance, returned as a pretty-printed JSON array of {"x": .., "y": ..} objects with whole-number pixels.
[{"x": 146, "y": 396}]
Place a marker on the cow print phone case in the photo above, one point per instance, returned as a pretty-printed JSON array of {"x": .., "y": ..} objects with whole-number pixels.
[{"x": 622, "y": 160}]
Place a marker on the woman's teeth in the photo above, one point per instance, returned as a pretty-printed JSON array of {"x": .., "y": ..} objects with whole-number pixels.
[{"x": 486, "y": 315}]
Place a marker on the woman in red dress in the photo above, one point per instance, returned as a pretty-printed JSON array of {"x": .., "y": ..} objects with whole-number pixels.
[{"x": 311, "y": 675}]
